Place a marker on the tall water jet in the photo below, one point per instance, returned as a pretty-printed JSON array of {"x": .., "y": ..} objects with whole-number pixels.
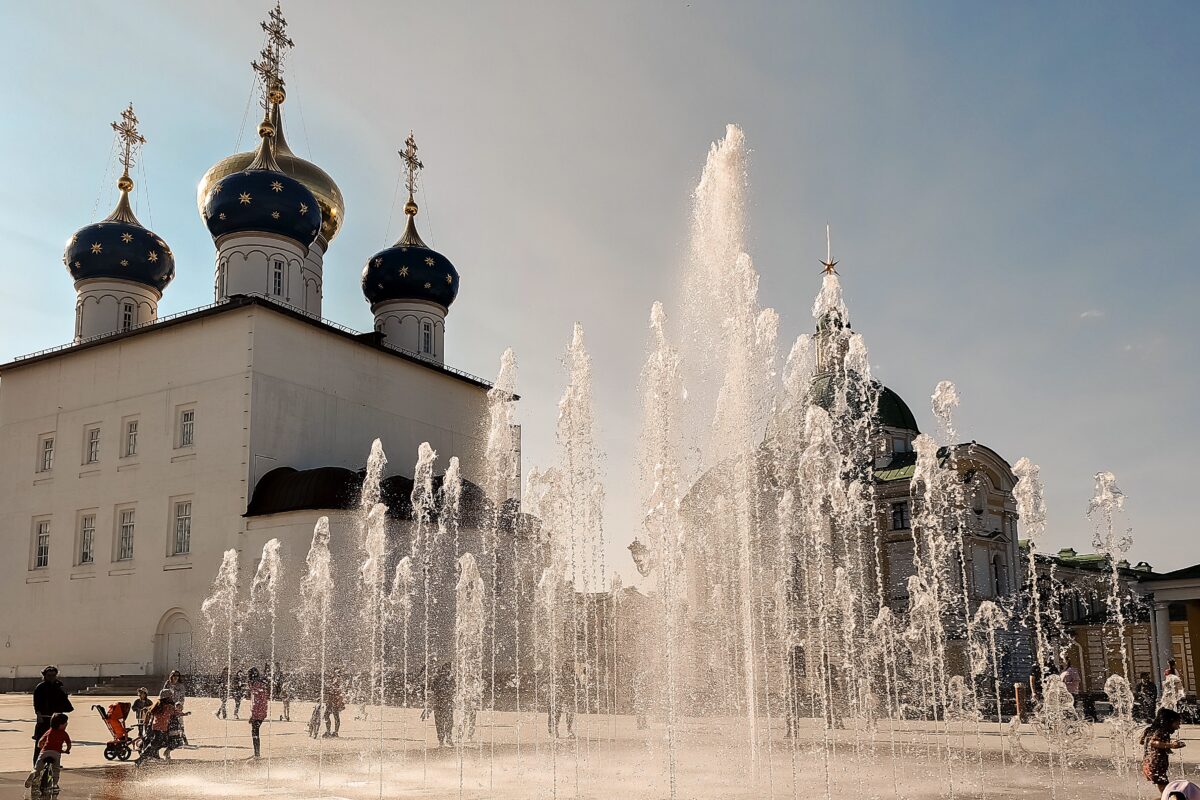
[
  {"x": 316, "y": 595},
  {"x": 264, "y": 601},
  {"x": 399, "y": 610},
  {"x": 220, "y": 612},
  {"x": 1103, "y": 509},
  {"x": 659, "y": 445},
  {"x": 424, "y": 543},
  {"x": 469, "y": 623},
  {"x": 1031, "y": 507},
  {"x": 372, "y": 611}
]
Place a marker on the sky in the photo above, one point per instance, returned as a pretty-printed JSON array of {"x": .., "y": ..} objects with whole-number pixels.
[{"x": 1012, "y": 190}]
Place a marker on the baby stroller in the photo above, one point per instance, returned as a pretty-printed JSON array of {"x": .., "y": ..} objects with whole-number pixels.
[{"x": 122, "y": 745}]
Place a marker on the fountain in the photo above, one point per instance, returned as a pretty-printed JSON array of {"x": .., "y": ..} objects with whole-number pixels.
[{"x": 776, "y": 641}]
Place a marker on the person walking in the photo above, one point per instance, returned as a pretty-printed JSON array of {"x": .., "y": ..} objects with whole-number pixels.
[
  {"x": 236, "y": 689},
  {"x": 335, "y": 703},
  {"x": 222, "y": 712},
  {"x": 49, "y": 698},
  {"x": 441, "y": 693},
  {"x": 1158, "y": 743},
  {"x": 161, "y": 716},
  {"x": 54, "y": 744},
  {"x": 1071, "y": 679},
  {"x": 282, "y": 693},
  {"x": 258, "y": 695},
  {"x": 177, "y": 688}
]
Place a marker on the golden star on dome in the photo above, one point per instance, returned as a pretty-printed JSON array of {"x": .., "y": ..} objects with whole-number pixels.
[
  {"x": 449, "y": 278},
  {"x": 71, "y": 241},
  {"x": 124, "y": 263},
  {"x": 377, "y": 262},
  {"x": 404, "y": 272},
  {"x": 244, "y": 198},
  {"x": 126, "y": 237},
  {"x": 216, "y": 190},
  {"x": 428, "y": 285},
  {"x": 77, "y": 263},
  {"x": 274, "y": 215},
  {"x": 430, "y": 261},
  {"x": 276, "y": 186},
  {"x": 152, "y": 256},
  {"x": 221, "y": 215},
  {"x": 97, "y": 248},
  {"x": 303, "y": 208}
]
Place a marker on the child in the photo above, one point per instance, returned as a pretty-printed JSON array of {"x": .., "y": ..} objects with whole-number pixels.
[
  {"x": 140, "y": 707},
  {"x": 1159, "y": 744},
  {"x": 161, "y": 715},
  {"x": 54, "y": 743},
  {"x": 335, "y": 703}
]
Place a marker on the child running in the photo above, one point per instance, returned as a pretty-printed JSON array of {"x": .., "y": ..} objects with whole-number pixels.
[
  {"x": 1159, "y": 744},
  {"x": 160, "y": 716},
  {"x": 54, "y": 743}
]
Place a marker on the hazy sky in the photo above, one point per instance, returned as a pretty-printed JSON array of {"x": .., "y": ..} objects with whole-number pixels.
[{"x": 1012, "y": 189}]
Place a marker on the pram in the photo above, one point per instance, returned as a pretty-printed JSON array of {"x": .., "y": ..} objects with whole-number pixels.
[{"x": 122, "y": 745}]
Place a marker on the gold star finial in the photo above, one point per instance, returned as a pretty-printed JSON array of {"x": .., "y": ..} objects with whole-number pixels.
[
  {"x": 412, "y": 165},
  {"x": 828, "y": 263}
]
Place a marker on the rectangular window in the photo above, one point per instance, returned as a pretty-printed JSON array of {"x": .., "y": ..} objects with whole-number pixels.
[
  {"x": 46, "y": 454},
  {"x": 41, "y": 545},
  {"x": 87, "y": 539},
  {"x": 131, "y": 431},
  {"x": 125, "y": 535},
  {"x": 187, "y": 427},
  {"x": 182, "y": 544},
  {"x": 900, "y": 518},
  {"x": 92, "y": 450},
  {"x": 127, "y": 316},
  {"x": 426, "y": 337},
  {"x": 277, "y": 279}
]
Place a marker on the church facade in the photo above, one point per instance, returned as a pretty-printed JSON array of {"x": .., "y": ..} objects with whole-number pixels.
[{"x": 131, "y": 457}]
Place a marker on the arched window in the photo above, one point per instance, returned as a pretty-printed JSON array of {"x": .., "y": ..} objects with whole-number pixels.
[
  {"x": 427, "y": 337},
  {"x": 127, "y": 316},
  {"x": 277, "y": 279}
]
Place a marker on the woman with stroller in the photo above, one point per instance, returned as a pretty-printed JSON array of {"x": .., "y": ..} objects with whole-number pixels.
[{"x": 178, "y": 691}]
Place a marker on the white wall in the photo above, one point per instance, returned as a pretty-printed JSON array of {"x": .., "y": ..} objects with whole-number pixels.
[
  {"x": 320, "y": 399},
  {"x": 107, "y": 613}
]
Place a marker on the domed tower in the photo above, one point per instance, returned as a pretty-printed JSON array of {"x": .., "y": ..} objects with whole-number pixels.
[
  {"x": 303, "y": 276},
  {"x": 120, "y": 268},
  {"x": 410, "y": 286}
]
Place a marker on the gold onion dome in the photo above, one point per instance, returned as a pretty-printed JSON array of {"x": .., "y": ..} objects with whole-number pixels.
[{"x": 315, "y": 179}]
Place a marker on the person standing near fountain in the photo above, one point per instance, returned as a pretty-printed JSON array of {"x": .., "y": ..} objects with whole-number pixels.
[
  {"x": 442, "y": 695},
  {"x": 49, "y": 698},
  {"x": 335, "y": 702},
  {"x": 176, "y": 687},
  {"x": 257, "y": 694},
  {"x": 1071, "y": 679},
  {"x": 283, "y": 693},
  {"x": 1158, "y": 744}
]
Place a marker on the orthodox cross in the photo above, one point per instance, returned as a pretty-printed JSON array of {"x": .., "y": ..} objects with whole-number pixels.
[
  {"x": 828, "y": 263},
  {"x": 269, "y": 65},
  {"x": 131, "y": 139},
  {"x": 411, "y": 164}
]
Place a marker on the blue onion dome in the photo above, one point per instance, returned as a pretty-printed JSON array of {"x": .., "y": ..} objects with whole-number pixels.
[
  {"x": 120, "y": 247},
  {"x": 262, "y": 199},
  {"x": 410, "y": 270}
]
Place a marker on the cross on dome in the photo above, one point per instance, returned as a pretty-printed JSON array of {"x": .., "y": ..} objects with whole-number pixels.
[{"x": 412, "y": 165}]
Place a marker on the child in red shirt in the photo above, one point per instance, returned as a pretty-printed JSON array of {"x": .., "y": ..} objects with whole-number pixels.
[
  {"x": 160, "y": 716},
  {"x": 54, "y": 743}
]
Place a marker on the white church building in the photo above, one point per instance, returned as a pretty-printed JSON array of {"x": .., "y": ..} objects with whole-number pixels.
[{"x": 132, "y": 457}]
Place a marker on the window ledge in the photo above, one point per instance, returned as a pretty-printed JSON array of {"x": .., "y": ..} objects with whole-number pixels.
[
  {"x": 43, "y": 578},
  {"x": 44, "y": 480},
  {"x": 81, "y": 576},
  {"x": 121, "y": 571},
  {"x": 181, "y": 565},
  {"x": 130, "y": 465},
  {"x": 89, "y": 471},
  {"x": 186, "y": 456}
]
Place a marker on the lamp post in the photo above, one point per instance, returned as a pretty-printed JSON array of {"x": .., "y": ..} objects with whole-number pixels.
[{"x": 641, "y": 557}]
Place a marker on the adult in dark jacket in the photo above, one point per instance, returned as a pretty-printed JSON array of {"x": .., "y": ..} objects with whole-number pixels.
[{"x": 49, "y": 698}]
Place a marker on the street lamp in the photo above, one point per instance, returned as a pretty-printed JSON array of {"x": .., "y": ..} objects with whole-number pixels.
[{"x": 641, "y": 557}]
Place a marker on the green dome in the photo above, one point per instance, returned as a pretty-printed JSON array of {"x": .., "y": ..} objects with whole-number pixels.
[{"x": 891, "y": 412}]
